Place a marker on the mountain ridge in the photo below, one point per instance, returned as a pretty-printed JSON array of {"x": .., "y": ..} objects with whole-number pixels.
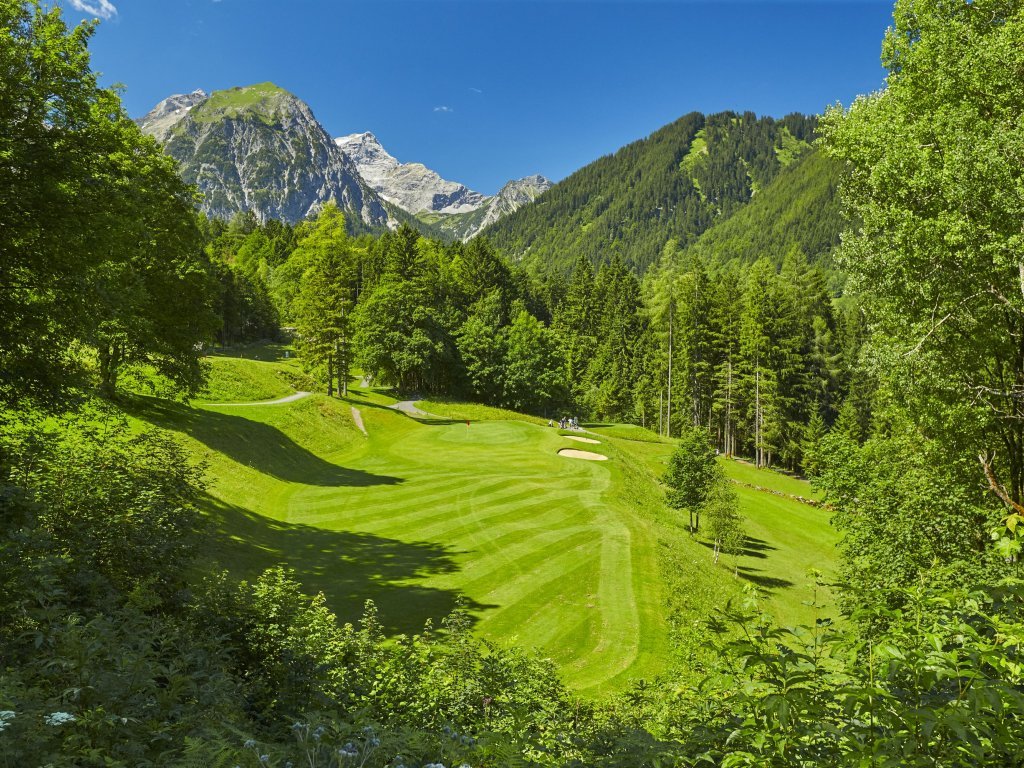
[
  {"x": 673, "y": 184},
  {"x": 259, "y": 148},
  {"x": 448, "y": 206}
]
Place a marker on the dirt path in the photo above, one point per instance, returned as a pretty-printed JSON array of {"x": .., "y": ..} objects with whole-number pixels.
[
  {"x": 279, "y": 401},
  {"x": 357, "y": 417},
  {"x": 408, "y": 407}
]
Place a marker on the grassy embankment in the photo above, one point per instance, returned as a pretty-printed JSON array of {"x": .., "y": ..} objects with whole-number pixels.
[
  {"x": 575, "y": 558},
  {"x": 785, "y": 537}
]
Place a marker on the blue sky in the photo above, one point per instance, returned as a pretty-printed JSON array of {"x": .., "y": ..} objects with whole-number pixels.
[{"x": 487, "y": 90}]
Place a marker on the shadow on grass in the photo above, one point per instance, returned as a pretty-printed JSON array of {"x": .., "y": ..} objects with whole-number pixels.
[
  {"x": 349, "y": 568},
  {"x": 751, "y": 547},
  {"x": 756, "y": 576},
  {"x": 267, "y": 352},
  {"x": 257, "y": 445}
]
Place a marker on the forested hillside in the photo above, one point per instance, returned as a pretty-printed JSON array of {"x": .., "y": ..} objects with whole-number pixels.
[
  {"x": 674, "y": 184},
  {"x": 800, "y": 209}
]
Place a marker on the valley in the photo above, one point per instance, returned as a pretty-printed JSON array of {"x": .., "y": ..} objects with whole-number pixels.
[
  {"x": 708, "y": 453},
  {"x": 557, "y": 554}
]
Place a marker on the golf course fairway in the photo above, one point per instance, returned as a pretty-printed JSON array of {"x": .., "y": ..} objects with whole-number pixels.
[{"x": 423, "y": 512}]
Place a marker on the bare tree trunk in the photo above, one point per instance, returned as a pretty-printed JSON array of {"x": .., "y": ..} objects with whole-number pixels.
[
  {"x": 110, "y": 364},
  {"x": 728, "y": 412},
  {"x": 671, "y": 321},
  {"x": 342, "y": 369},
  {"x": 758, "y": 455},
  {"x": 330, "y": 375}
]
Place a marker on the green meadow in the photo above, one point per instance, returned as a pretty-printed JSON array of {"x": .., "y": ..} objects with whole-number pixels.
[{"x": 560, "y": 554}]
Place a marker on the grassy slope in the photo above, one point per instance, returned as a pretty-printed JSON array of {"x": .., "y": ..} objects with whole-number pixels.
[
  {"x": 546, "y": 550},
  {"x": 785, "y": 537},
  {"x": 576, "y": 558},
  {"x": 253, "y": 372}
]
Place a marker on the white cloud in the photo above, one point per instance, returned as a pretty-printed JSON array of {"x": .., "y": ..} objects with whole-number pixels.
[
  {"x": 443, "y": 108},
  {"x": 102, "y": 8},
  {"x": 476, "y": 90}
]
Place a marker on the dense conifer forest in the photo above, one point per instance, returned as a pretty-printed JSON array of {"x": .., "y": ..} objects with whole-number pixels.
[
  {"x": 676, "y": 184},
  {"x": 692, "y": 284}
]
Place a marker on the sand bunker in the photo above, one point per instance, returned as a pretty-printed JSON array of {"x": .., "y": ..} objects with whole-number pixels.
[
  {"x": 582, "y": 439},
  {"x": 574, "y": 454}
]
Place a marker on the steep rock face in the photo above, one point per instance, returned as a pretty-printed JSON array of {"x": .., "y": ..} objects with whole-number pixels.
[
  {"x": 169, "y": 112},
  {"x": 260, "y": 149},
  {"x": 411, "y": 186},
  {"x": 514, "y": 196},
  {"x": 447, "y": 207}
]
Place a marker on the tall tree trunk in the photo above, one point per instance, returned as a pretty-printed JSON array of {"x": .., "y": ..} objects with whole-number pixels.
[
  {"x": 342, "y": 356},
  {"x": 668, "y": 417},
  {"x": 729, "y": 447},
  {"x": 330, "y": 375},
  {"x": 110, "y": 363},
  {"x": 758, "y": 451}
]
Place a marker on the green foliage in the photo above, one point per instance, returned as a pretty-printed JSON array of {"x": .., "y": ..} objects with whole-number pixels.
[
  {"x": 325, "y": 301},
  {"x": 799, "y": 208},
  {"x": 936, "y": 248},
  {"x": 632, "y": 202},
  {"x": 530, "y": 376},
  {"x": 119, "y": 268},
  {"x": 911, "y": 512},
  {"x": 940, "y": 687},
  {"x": 692, "y": 471}
]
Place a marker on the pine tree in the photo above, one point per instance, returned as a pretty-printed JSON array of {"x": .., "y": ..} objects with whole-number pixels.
[{"x": 326, "y": 298}]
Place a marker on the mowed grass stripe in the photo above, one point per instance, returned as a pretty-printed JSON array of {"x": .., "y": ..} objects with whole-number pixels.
[
  {"x": 424, "y": 493},
  {"x": 419, "y": 513},
  {"x": 488, "y": 575},
  {"x": 543, "y": 513},
  {"x": 618, "y": 641},
  {"x": 424, "y": 517}
]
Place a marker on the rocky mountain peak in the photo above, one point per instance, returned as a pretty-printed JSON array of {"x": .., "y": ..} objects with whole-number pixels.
[
  {"x": 159, "y": 121},
  {"x": 411, "y": 186},
  {"x": 259, "y": 148}
]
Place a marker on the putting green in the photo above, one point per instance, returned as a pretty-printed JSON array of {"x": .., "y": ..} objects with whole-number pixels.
[{"x": 418, "y": 513}]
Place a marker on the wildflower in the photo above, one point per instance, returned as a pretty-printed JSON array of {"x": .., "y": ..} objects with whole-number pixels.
[
  {"x": 434, "y": 765},
  {"x": 6, "y": 716},
  {"x": 297, "y": 726},
  {"x": 348, "y": 751},
  {"x": 318, "y": 732},
  {"x": 264, "y": 758},
  {"x": 59, "y": 718},
  {"x": 249, "y": 744},
  {"x": 374, "y": 742}
]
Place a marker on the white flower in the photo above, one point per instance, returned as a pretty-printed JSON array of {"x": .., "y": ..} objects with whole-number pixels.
[
  {"x": 6, "y": 716},
  {"x": 59, "y": 718}
]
